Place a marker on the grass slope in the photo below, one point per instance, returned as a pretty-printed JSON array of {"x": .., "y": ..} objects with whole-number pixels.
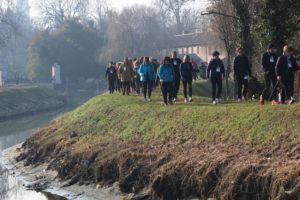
[{"x": 19, "y": 101}]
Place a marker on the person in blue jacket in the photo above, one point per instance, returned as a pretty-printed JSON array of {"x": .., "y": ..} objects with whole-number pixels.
[
  {"x": 216, "y": 73},
  {"x": 166, "y": 75},
  {"x": 148, "y": 75},
  {"x": 186, "y": 74}
]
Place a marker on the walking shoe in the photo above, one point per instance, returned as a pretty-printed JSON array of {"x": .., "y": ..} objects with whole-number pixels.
[
  {"x": 274, "y": 102},
  {"x": 174, "y": 100},
  {"x": 262, "y": 100},
  {"x": 292, "y": 101},
  {"x": 239, "y": 100},
  {"x": 214, "y": 103},
  {"x": 190, "y": 99},
  {"x": 185, "y": 100},
  {"x": 150, "y": 100}
]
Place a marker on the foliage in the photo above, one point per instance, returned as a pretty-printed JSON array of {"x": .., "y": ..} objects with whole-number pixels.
[{"x": 74, "y": 46}]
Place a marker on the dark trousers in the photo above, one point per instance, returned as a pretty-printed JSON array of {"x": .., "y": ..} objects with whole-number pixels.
[
  {"x": 167, "y": 91},
  {"x": 270, "y": 79},
  {"x": 147, "y": 87},
  {"x": 242, "y": 82},
  {"x": 111, "y": 85},
  {"x": 287, "y": 87},
  {"x": 176, "y": 87},
  {"x": 118, "y": 85},
  {"x": 187, "y": 84},
  {"x": 126, "y": 87},
  {"x": 216, "y": 84},
  {"x": 137, "y": 83}
]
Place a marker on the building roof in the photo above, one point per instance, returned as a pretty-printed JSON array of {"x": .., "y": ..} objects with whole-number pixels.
[{"x": 195, "y": 39}]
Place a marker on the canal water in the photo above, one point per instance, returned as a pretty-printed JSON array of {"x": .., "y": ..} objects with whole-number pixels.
[{"x": 17, "y": 131}]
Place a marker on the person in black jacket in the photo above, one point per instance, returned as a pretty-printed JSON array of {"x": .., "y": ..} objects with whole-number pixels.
[
  {"x": 242, "y": 73},
  {"x": 285, "y": 70},
  {"x": 176, "y": 64},
  {"x": 269, "y": 60},
  {"x": 111, "y": 76},
  {"x": 186, "y": 74},
  {"x": 216, "y": 73}
]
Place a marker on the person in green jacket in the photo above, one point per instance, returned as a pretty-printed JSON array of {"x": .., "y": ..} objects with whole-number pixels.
[{"x": 126, "y": 75}]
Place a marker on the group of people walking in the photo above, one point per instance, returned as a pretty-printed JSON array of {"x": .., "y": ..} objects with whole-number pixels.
[{"x": 144, "y": 74}]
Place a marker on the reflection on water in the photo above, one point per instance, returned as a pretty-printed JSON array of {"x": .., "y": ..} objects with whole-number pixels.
[{"x": 16, "y": 131}]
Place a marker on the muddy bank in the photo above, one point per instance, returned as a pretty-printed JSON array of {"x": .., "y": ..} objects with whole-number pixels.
[
  {"x": 40, "y": 179},
  {"x": 24, "y": 101},
  {"x": 168, "y": 169}
]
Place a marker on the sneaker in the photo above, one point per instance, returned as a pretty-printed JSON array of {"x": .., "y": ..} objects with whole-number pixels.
[
  {"x": 174, "y": 100},
  {"x": 292, "y": 101},
  {"x": 190, "y": 99},
  {"x": 239, "y": 100},
  {"x": 186, "y": 100},
  {"x": 214, "y": 103},
  {"x": 274, "y": 102},
  {"x": 262, "y": 100},
  {"x": 150, "y": 100}
]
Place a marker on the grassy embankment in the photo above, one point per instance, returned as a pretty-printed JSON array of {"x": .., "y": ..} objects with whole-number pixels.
[
  {"x": 21, "y": 101},
  {"x": 228, "y": 151}
]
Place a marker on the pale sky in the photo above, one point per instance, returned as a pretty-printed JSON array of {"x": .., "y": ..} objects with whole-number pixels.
[{"x": 119, "y": 4}]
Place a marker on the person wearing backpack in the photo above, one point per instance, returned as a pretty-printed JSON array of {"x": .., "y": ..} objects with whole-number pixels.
[
  {"x": 126, "y": 74},
  {"x": 186, "y": 74},
  {"x": 147, "y": 74},
  {"x": 166, "y": 76},
  {"x": 111, "y": 76},
  {"x": 216, "y": 74}
]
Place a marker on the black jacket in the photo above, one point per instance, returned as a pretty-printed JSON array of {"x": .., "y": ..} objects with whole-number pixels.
[
  {"x": 269, "y": 63},
  {"x": 111, "y": 73},
  {"x": 241, "y": 66},
  {"x": 186, "y": 71},
  {"x": 282, "y": 66},
  {"x": 176, "y": 64},
  {"x": 215, "y": 69}
]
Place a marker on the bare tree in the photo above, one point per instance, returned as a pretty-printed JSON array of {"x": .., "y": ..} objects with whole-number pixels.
[
  {"x": 55, "y": 12},
  {"x": 177, "y": 9}
]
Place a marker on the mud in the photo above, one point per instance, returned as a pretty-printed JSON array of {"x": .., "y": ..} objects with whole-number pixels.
[{"x": 170, "y": 170}]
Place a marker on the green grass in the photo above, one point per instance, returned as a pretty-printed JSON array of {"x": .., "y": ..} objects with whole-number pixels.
[{"x": 130, "y": 118}]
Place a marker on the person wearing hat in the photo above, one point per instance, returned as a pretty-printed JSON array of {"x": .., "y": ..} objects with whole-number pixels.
[
  {"x": 111, "y": 76},
  {"x": 166, "y": 76},
  {"x": 269, "y": 60},
  {"x": 216, "y": 74},
  {"x": 242, "y": 73},
  {"x": 285, "y": 71}
]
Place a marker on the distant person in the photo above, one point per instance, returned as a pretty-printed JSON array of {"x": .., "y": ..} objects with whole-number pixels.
[
  {"x": 126, "y": 75},
  {"x": 166, "y": 75},
  {"x": 269, "y": 60},
  {"x": 285, "y": 70},
  {"x": 137, "y": 77},
  {"x": 242, "y": 73},
  {"x": 118, "y": 81},
  {"x": 196, "y": 69},
  {"x": 216, "y": 74},
  {"x": 111, "y": 77},
  {"x": 176, "y": 64},
  {"x": 186, "y": 74},
  {"x": 147, "y": 74}
]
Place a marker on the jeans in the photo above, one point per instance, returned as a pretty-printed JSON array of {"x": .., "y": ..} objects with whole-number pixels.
[{"x": 167, "y": 91}]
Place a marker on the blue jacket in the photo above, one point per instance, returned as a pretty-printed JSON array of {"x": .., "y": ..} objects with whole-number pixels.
[
  {"x": 147, "y": 71},
  {"x": 166, "y": 73}
]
